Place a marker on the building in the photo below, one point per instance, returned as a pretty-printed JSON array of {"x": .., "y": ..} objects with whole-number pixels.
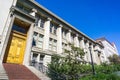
[
  {"x": 30, "y": 32},
  {"x": 109, "y": 48}
]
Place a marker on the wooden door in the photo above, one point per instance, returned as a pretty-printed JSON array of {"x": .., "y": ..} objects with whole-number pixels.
[{"x": 16, "y": 49}]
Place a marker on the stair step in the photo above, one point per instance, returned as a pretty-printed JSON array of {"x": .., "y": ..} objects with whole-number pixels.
[
  {"x": 38, "y": 73},
  {"x": 3, "y": 75},
  {"x": 16, "y": 71}
]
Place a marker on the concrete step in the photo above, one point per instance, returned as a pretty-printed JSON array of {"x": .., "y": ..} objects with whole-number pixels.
[
  {"x": 38, "y": 73},
  {"x": 3, "y": 74},
  {"x": 19, "y": 72}
]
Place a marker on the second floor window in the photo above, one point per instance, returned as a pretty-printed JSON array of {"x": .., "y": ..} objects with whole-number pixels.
[
  {"x": 52, "y": 44},
  {"x": 39, "y": 21},
  {"x": 38, "y": 40},
  {"x": 42, "y": 23},
  {"x": 53, "y": 28},
  {"x": 64, "y": 33}
]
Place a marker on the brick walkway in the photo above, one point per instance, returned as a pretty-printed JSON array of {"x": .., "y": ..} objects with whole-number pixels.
[{"x": 19, "y": 72}]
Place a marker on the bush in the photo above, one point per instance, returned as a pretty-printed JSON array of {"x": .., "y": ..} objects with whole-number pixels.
[{"x": 102, "y": 76}]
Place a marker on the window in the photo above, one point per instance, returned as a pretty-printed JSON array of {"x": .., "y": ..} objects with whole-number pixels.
[
  {"x": 19, "y": 29},
  {"x": 35, "y": 35},
  {"x": 42, "y": 57},
  {"x": 42, "y": 23},
  {"x": 72, "y": 38},
  {"x": 38, "y": 40},
  {"x": 34, "y": 57},
  {"x": 39, "y": 21},
  {"x": 64, "y": 46},
  {"x": 53, "y": 28},
  {"x": 64, "y": 33},
  {"x": 52, "y": 44}
]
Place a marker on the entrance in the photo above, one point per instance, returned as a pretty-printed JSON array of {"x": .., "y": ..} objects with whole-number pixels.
[
  {"x": 17, "y": 43},
  {"x": 16, "y": 48}
]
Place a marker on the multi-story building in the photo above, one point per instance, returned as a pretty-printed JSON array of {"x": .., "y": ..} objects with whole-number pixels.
[
  {"x": 31, "y": 32},
  {"x": 109, "y": 48}
]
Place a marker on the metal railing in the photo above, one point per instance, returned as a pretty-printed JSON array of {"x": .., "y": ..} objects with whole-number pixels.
[{"x": 39, "y": 66}]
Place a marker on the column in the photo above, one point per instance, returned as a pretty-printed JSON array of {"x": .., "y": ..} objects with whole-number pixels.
[
  {"x": 93, "y": 54},
  {"x": 88, "y": 58},
  {"x": 76, "y": 42},
  {"x": 69, "y": 36},
  {"x": 28, "y": 46},
  {"x": 59, "y": 39},
  {"x": 82, "y": 43},
  {"x": 46, "y": 34},
  {"x": 5, "y": 35}
]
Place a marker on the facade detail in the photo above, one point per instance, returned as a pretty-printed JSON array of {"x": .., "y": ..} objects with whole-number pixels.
[
  {"x": 33, "y": 33},
  {"x": 109, "y": 48}
]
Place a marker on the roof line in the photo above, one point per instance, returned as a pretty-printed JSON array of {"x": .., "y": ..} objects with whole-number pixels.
[{"x": 39, "y": 5}]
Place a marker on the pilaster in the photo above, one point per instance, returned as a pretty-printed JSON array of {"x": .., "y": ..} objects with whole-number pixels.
[
  {"x": 28, "y": 46},
  {"x": 59, "y": 39},
  {"x": 76, "y": 42},
  {"x": 82, "y": 43},
  {"x": 46, "y": 34},
  {"x": 93, "y": 54},
  {"x": 69, "y": 36}
]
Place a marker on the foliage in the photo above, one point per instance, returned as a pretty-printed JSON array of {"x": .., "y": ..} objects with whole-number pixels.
[
  {"x": 102, "y": 76},
  {"x": 70, "y": 66},
  {"x": 114, "y": 59}
]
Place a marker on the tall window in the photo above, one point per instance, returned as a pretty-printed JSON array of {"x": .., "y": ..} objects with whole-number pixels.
[
  {"x": 39, "y": 21},
  {"x": 52, "y": 44},
  {"x": 64, "y": 33},
  {"x": 72, "y": 38},
  {"x": 35, "y": 35},
  {"x": 42, "y": 23},
  {"x": 53, "y": 28},
  {"x": 64, "y": 46},
  {"x": 38, "y": 40}
]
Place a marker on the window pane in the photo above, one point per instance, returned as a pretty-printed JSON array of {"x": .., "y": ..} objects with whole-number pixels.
[
  {"x": 55, "y": 30},
  {"x": 39, "y": 44},
  {"x": 42, "y": 23},
  {"x": 35, "y": 35},
  {"x": 51, "y": 26},
  {"x": 40, "y": 37}
]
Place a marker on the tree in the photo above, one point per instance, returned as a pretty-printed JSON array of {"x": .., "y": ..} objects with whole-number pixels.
[
  {"x": 114, "y": 59},
  {"x": 69, "y": 66}
]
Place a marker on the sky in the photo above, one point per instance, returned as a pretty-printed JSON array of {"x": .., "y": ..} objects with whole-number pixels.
[{"x": 95, "y": 18}]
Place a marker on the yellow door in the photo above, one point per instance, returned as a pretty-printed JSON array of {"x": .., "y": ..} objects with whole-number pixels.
[{"x": 16, "y": 49}]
